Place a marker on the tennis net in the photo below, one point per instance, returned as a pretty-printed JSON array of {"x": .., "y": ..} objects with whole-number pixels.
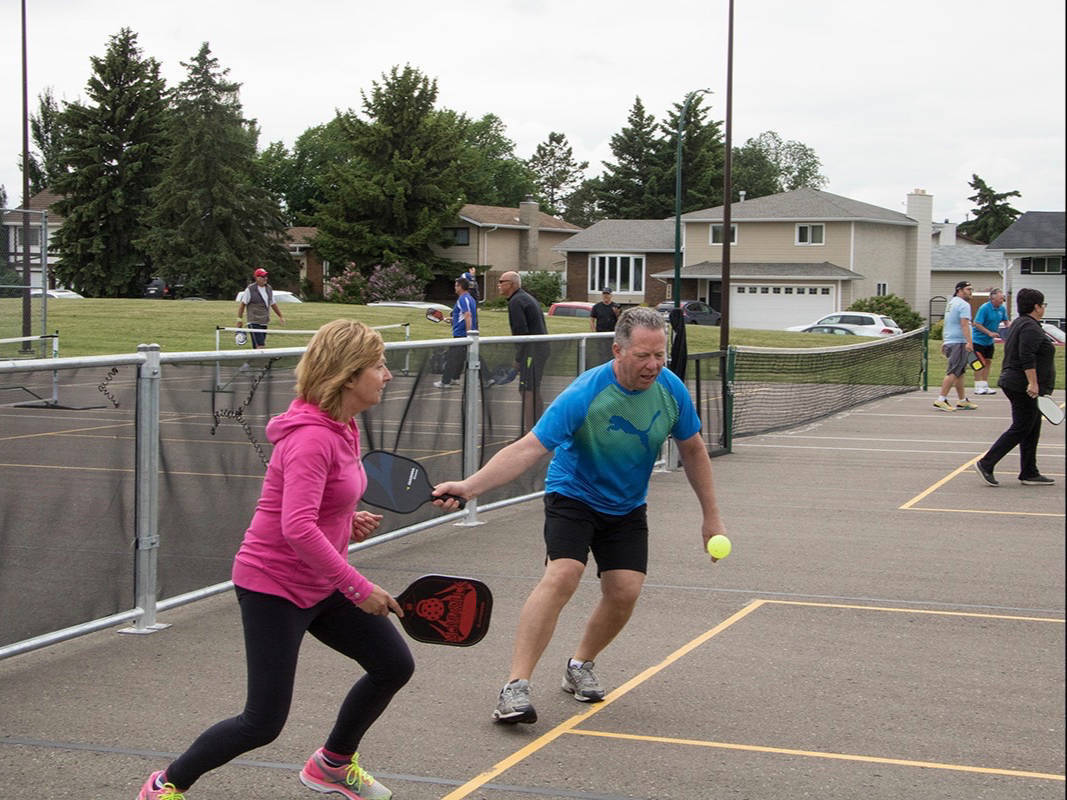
[{"x": 776, "y": 388}]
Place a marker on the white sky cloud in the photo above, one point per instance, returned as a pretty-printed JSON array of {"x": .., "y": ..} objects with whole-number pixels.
[{"x": 892, "y": 96}]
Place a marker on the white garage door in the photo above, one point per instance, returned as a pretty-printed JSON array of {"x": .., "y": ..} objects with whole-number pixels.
[{"x": 776, "y": 306}]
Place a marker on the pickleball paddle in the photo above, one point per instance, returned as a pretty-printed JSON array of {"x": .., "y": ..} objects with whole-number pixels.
[
  {"x": 444, "y": 609},
  {"x": 397, "y": 483}
]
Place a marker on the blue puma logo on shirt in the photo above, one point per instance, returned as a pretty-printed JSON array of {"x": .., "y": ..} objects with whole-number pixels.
[{"x": 617, "y": 423}]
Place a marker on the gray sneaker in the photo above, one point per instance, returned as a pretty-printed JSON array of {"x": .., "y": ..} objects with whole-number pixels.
[
  {"x": 582, "y": 683},
  {"x": 514, "y": 704}
]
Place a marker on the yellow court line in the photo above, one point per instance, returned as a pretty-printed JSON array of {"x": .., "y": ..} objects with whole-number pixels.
[
  {"x": 902, "y": 762},
  {"x": 939, "y": 484},
  {"x": 569, "y": 725},
  {"x": 985, "y": 511},
  {"x": 930, "y": 611}
]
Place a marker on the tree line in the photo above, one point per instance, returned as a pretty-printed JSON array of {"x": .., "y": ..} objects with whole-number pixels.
[{"x": 170, "y": 182}]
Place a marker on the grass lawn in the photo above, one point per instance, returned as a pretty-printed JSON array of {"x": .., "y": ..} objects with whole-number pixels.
[{"x": 104, "y": 327}]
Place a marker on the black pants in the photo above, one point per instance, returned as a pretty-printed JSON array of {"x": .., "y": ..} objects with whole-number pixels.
[
  {"x": 1024, "y": 433},
  {"x": 455, "y": 361},
  {"x": 274, "y": 628}
]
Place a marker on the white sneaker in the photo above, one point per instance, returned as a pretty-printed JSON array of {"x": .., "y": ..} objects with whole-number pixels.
[{"x": 442, "y": 385}]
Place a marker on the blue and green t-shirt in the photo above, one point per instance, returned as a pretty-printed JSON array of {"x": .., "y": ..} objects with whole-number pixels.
[{"x": 606, "y": 438}]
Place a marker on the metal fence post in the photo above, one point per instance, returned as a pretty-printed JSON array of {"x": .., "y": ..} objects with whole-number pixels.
[
  {"x": 147, "y": 492},
  {"x": 728, "y": 398},
  {"x": 472, "y": 406}
]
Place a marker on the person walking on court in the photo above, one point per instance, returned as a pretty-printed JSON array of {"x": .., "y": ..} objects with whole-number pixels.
[
  {"x": 606, "y": 430},
  {"x": 258, "y": 298},
  {"x": 464, "y": 320},
  {"x": 987, "y": 321},
  {"x": 1028, "y": 371},
  {"x": 957, "y": 347},
  {"x": 604, "y": 315},
  {"x": 292, "y": 576},
  {"x": 526, "y": 319}
]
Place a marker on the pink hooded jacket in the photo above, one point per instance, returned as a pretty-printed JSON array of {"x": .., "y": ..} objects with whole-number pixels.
[{"x": 295, "y": 546}]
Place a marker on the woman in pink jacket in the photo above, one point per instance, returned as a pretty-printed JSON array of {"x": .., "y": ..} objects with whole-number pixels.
[{"x": 292, "y": 576}]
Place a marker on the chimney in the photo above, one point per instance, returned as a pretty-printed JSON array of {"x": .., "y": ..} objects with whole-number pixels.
[
  {"x": 947, "y": 237},
  {"x": 742, "y": 194},
  {"x": 920, "y": 207},
  {"x": 529, "y": 235}
]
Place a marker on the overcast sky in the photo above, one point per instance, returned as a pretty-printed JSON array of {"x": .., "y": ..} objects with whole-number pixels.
[{"x": 892, "y": 96}]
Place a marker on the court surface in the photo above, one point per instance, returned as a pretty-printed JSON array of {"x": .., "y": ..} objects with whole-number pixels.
[{"x": 886, "y": 627}]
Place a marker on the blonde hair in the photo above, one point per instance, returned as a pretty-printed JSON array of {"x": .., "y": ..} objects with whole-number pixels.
[{"x": 339, "y": 350}]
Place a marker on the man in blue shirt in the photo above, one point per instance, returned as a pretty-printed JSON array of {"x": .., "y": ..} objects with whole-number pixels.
[
  {"x": 464, "y": 320},
  {"x": 957, "y": 347},
  {"x": 991, "y": 315},
  {"x": 605, "y": 431}
]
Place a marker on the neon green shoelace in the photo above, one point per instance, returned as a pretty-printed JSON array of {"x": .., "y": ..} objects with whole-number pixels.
[
  {"x": 356, "y": 775},
  {"x": 170, "y": 792}
]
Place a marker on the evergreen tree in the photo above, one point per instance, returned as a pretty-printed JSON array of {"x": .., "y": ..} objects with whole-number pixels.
[
  {"x": 212, "y": 222},
  {"x": 992, "y": 216},
  {"x": 622, "y": 191},
  {"x": 753, "y": 172},
  {"x": 46, "y": 130},
  {"x": 582, "y": 206},
  {"x": 108, "y": 163},
  {"x": 275, "y": 167},
  {"x": 402, "y": 184},
  {"x": 702, "y": 163},
  {"x": 316, "y": 152},
  {"x": 556, "y": 173}
]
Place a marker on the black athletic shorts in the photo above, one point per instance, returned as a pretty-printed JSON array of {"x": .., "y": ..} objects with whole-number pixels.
[
  {"x": 985, "y": 349},
  {"x": 573, "y": 528}
]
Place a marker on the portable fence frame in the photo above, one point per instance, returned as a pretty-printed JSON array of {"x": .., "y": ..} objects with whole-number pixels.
[{"x": 150, "y": 364}]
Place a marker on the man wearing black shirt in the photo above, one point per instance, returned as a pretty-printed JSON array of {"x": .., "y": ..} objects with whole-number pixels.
[
  {"x": 603, "y": 315},
  {"x": 526, "y": 319}
]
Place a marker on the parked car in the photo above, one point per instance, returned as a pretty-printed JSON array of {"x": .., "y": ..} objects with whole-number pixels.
[
  {"x": 419, "y": 305},
  {"x": 695, "y": 312},
  {"x": 570, "y": 308},
  {"x": 836, "y": 329},
  {"x": 280, "y": 296},
  {"x": 159, "y": 289},
  {"x": 58, "y": 294},
  {"x": 862, "y": 323}
]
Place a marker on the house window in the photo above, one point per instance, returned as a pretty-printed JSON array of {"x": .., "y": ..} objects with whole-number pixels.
[
  {"x": 825, "y": 290},
  {"x": 777, "y": 290},
  {"x": 788, "y": 289},
  {"x": 1041, "y": 265},
  {"x": 459, "y": 236},
  {"x": 623, "y": 273},
  {"x": 716, "y": 234},
  {"x": 810, "y": 234},
  {"x": 34, "y": 238},
  {"x": 751, "y": 289},
  {"x": 764, "y": 290},
  {"x": 881, "y": 289},
  {"x": 740, "y": 289}
]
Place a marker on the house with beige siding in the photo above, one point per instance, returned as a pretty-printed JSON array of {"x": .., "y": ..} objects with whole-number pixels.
[
  {"x": 794, "y": 256},
  {"x": 499, "y": 239}
]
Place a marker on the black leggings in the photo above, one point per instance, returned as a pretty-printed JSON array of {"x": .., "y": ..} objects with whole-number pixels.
[{"x": 274, "y": 628}]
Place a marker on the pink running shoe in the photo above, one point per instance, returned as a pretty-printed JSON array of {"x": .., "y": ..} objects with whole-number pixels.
[
  {"x": 150, "y": 792},
  {"x": 349, "y": 780}
]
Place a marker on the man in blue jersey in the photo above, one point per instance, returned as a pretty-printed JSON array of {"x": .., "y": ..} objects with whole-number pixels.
[
  {"x": 464, "y": 320},
  {"x": 605, "y": 431}
]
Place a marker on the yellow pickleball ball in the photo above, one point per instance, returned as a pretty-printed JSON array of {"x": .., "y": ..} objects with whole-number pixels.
[{"x": 718, "y": 546}]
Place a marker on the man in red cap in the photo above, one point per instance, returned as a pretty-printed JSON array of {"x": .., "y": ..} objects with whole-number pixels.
[{"x": 258, "y": 298}]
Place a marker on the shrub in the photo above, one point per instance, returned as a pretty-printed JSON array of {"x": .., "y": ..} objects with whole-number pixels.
[
  {"x": 891, "y": 306},
  {"x": 545, "y": 285},
  {"x": 11, "y": 277},
  {"x": 395, "y": 282},
  {"x": 348, "y": 287},
  {"x": 937, "y": 330}
]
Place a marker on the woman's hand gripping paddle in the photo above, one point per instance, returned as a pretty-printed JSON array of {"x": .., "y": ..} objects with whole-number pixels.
[
  {"x": 397, "y": 483},
  {"x": 443, "y": 609}
]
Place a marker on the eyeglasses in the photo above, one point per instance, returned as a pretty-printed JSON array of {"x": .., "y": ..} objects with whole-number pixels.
[{"x": 502, "y": 280}]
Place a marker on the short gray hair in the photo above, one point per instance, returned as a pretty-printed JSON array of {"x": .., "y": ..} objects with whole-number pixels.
[{"x": 638, "y": 317}]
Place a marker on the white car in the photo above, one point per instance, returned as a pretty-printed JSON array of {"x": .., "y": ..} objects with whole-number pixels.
[
  {"x": 280, "y": 296},
  {"x": 862, "y": 323},
  {"x": 58, "y": 294},
  {"x": 416, "y": 304}
]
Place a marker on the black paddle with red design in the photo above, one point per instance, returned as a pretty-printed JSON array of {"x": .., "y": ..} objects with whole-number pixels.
[
  {"x": 444, "y": 609},
  {"x": 397, "y": 483}
]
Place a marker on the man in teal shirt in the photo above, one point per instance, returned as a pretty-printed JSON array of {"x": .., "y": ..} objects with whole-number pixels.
[{"x": 991, "y": 315}]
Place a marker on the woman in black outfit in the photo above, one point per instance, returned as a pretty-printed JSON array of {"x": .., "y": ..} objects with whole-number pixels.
[{"x": 1029, "y": 370}]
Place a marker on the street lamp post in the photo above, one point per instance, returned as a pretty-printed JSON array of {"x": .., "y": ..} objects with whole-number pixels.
[{"x": 677, "y": 291}]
